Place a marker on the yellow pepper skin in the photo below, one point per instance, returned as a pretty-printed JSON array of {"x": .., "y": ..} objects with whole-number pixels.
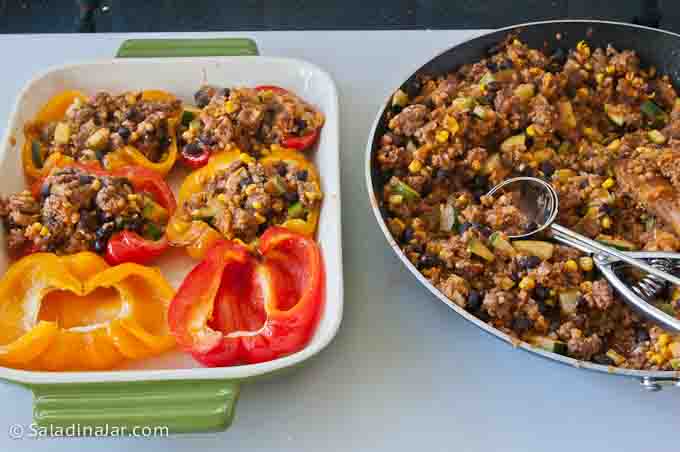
[
  {"x": 55, "y": 110},
  {"x": 198, "y": 236},
  {"x": 78, "y": 313}
]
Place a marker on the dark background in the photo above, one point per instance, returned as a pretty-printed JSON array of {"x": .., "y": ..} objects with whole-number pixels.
[{"x": 63, "y": 16}]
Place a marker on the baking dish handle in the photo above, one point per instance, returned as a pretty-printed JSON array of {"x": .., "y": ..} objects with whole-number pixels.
[
  {"x": 144, "y": 408},
  {"x": 657, "y": 384},
  {"x": 163, "y": 48}
]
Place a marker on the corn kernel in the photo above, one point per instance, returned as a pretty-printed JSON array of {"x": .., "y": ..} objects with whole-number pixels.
[
  {"x": 586, "y": 286},
  {"x": 582, "y": 92},
  {"x": 664, "y": 339},
  {"x": 396, "y": 199},
  {"x": 44, "y": 231},
  {"x": 230, "y": 107},
  {"x": 614, "y": 145},
  {"x": 276, "y": 148},
  {"x": 531, "y": 131},
  {"x": 476, "y": 165},
  {"x": 442, "y": 136},
  {"x": 586, "y": 263},
  {"x": 259, "y": 218},
  {"x": 250, "y": 189},
  {"x": 415, "y": 166},
  {"x": 245, "y": 158},
  {"x": 452, "y": 125},
  {"x": 527, "y": 283},
  {"x": 610, "y": 69},
  {"x": 609, "y": 183},
  {"x": 599, "y": 78},
  {"x": 657, "y": 358},
  {"x": 606, "y": 222},
  {"x": 507, "y": 283},
  {"x": 257, "y": 205},
  {"x": 571, "y": 265},
  {"x": 222, "y": 197},
  {"x": 676, "y": 295},
  {"x": 583, "y": 48}
]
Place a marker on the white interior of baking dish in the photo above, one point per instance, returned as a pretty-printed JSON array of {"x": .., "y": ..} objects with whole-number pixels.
[{"x": 182, "y": 77}]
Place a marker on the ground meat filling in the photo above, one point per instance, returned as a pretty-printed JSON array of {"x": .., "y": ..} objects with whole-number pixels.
[
  {"x": 247, "y": 119},
  {"x": 604, "y": 131},
  {"x": 77, "y": 211},
  {"x": 105, "y": 123},
  {"x": 245, "y": 199}
]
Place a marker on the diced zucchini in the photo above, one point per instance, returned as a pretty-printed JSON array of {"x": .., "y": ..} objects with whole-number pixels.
[
  {"x": 653, "y": 112},
  {"x": 405, "y": 190},
  {"x": 525, "y": 91},
  {"x": 475, "y": 246},
  {"x": 569, "y": 301},
  {"x": 548, "y": 344},
  {"x": 619, "y": 244},
  {"x": 487, "y": 78},
  {"x": 675, "y": 363},
  {"x": 187, "y": 117},
  {"x": 62, "y": 133},
  {"x": 400, "y": 98},
  {"x": 447, "y": 217},
  {"x": 564, "y": 147},
  {"x": 615, "y": 114},
  {"x": 667, "y": 308},
  {"x": 480, "y": 112},
  {"x": 296, "y": 210},
  {"x": 537, "y": 248},
  {"x": 461, "y": 104},
  {"x": 656, "y": 137},
  {"x": 98, "y": 140},
  {"x": 153, "y": 231},
  {"x": 563, "y": 175},
  {"x": 502, "y": 244},
  {"x": 491, "y": 164},
  {"x": 567, "y": 117},
  {"x": 153, "y": 211},
  {"x": 36, "y": 154},
  {"x": 614, "y": 356},
  {"x": 514, "y": 142},
  {"x": 650, "y": 223}
]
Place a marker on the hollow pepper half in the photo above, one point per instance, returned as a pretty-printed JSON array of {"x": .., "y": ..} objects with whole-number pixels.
[
  {"x": 37, "y": 166},
  {"x": 239, "y": 306},
  {"x": 78, "y": 313},
  {"x": 198, "y": 236},
  {"x": 300, "y": 143},
  {"x": 129, "y": 246}
]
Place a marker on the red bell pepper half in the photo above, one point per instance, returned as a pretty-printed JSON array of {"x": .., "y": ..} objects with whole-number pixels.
[
  {"x": 239, "y": 306},
  {"x": 301, "y": 143},
  {"x": 128, "y": 246}
]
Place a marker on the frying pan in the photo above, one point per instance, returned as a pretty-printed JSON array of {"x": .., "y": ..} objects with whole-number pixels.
[{"x": 655, "y": 47}]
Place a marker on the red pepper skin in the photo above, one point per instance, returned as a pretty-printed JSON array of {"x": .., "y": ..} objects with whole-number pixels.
[
  {"x": 195, "y": 161},
  {"x": 128, "y": 246},
  {"x": 235, "y": 308},
  {"x": 293, "y": 142}
]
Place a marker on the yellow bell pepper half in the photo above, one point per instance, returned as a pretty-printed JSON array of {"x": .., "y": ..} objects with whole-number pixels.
[
  {"x": 199, "y": 236},
  {"x": 55, "y": 110},
  {"x": 78, "y": 313}
]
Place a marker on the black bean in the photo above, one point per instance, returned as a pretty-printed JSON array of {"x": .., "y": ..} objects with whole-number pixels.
[
  {"x": 483, "y": 315},
  {"x": 104, "y": 217},
  {"x": 134, "y": 222},
  {"x": 244, "y": 182},
  {"x": 521, "y": 324},
  {"x": 88, "y": 220},
  {"x": 202, "y": 96},
  {"x": 396, "y": 109},
  {"x": 506, "y": 64},
  {"x": 99, "y": 246},
  {"x": 281, "y": 169},
  {"x": 105, "y": 231},
  {"x": 474, "y": 301},
  {"x": 547, "y": 168},
  {"x": 493, "y": 87},
  {"x": 606, "y": 209},
  {"x": 514, "y": 276},
  {"x": 541, "y": 292},
  {"x": 165, "y": 142},
  {"x": 45, "y": 190},
  {"x": 100, "y": 154},
  {"x": 429, "y": 103},
  {"x": 490, "y": 65},
  {"x": 480, "y": 181},
  {"x": 603, "y": 359},
  {"x": 559, "y": 56},
  {"x": 193, "y": 148},
  {"x": 412, "y": 88},
  {"x": 555, "y": 322},
  {"x": 207, "y": 139},
  {"x": 85, "y": 179},
  {"x": 417, "y": 248},
  {"x": 642, "y": 335},
  {"x": 291, "y": 196},
  {"x": 528, "y": 172},
  {"x": 301, "y": 124},
  {"x": 530, "y": 226},
  {"x": 485, "y": 231},
  {"x": 581, "y": 302},
  {"x": 301, "y": 175},
  {"x": 224, "y": 92},
  {"x": 408, "y": 235},
  {"x": 529, "y": 141},
  {"x": 124, "y": 132},
  {"x": 583, "y": 184},
  {"x": 464, "y": 227},
  {"x": 441, "y": 174},
  {"x": 477, "y": 194},
  {"x": 543, "y": 308},
  {"x": 427, "y": 261},
  {"x": 132, "y": 114}
]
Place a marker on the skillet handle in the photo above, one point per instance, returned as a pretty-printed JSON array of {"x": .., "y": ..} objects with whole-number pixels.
[{"x": 657, "y": 384}]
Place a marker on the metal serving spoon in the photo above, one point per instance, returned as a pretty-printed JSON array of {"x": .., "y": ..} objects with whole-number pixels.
[{"x": 540, "y": 203}]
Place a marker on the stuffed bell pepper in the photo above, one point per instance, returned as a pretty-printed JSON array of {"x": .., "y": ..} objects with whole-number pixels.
[
  {"x": 121, "y": 214},
  {"x": 133, "y": 128},
  {"x": 78, "y": 313},
  {"x": 248, "y": 306},
  {"x": 249, "y": 119},
  {"x": 236, "y": 196}
]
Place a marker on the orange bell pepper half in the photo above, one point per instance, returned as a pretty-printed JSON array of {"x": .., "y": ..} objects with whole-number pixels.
[
  {"x": 198, "y": 236},
  {"x": 36, "y": 166},
  {"x": 78, "y": 313},
  {"x": 239, "y": 306}
]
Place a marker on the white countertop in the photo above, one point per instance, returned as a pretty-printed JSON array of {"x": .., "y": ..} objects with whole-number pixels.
[{"x": 405, "y": 372}]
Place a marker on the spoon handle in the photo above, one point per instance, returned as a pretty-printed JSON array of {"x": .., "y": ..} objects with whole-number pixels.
[{"x": 588, "y": 245}]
